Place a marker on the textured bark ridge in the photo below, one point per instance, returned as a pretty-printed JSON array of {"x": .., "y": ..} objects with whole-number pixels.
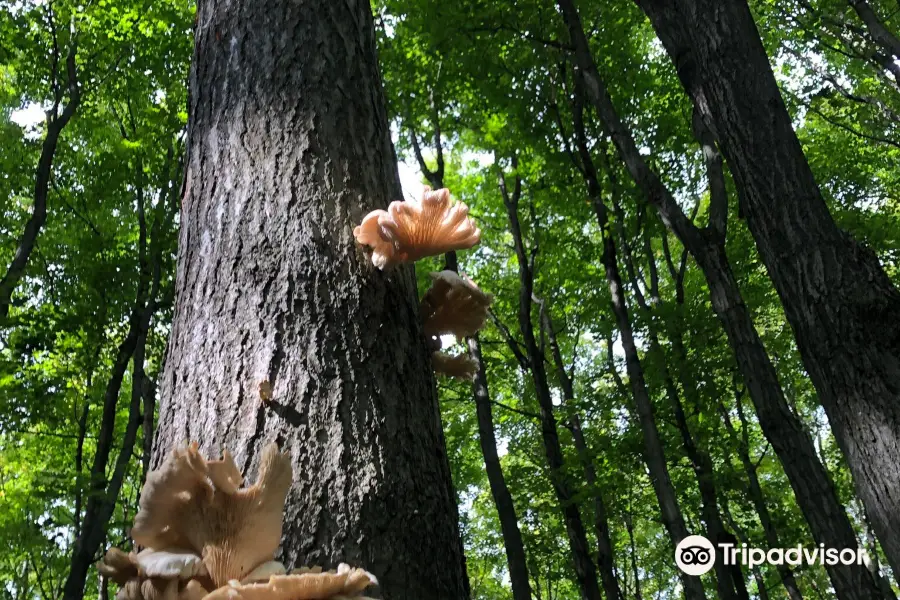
[{"x": 289, "y": 147}]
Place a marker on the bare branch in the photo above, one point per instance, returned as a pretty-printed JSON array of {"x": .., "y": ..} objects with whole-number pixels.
[{"x": 511, "y": 342}]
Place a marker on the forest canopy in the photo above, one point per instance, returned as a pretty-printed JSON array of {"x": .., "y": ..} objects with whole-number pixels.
[{"x": 689, "y": 217}]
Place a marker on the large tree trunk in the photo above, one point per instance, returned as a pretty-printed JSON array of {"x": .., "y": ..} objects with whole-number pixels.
[
  {"x": 844, "y": 310},
  {"x": 288, "y": 148},
  {"x": 812, "y": 486},
  {"x": 506, "y": 510}
]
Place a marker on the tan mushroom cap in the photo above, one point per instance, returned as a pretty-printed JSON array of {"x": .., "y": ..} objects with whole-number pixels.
[
  {"x": 369, "y": 233},
  {"x": 461, "y": 366},
  {"x": 170, "y": 563},
  {"x": 307, "y": 584},
  {"x": 233, "y": 529},
  {"x": 414, "y": 229},
  {"x": 156, "y": 575},
  {"x": 118, "y": 566},
  {"x": 454, "y": 305},
  {"x": 224, "y": 474},
  {"x": 157, "y": 588}
]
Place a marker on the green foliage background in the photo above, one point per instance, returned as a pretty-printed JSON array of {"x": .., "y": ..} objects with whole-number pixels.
[{"x": 488, "y": 74}]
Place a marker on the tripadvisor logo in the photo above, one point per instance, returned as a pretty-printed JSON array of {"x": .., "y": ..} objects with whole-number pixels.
[{"x": 696, "y": 555}]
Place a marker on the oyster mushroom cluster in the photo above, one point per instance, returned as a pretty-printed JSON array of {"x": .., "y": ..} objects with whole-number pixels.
[
  {"x": 408, "y": 231},
  {"x": 431, "y": 226},
  {"x": 204, "y": 536}
]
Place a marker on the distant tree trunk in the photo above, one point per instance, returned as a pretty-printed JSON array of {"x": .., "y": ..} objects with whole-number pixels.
[
  {"x": 148, "y": 393},
  {"x": 605, "y": 555},
  {"x": 755, "y": 492},
  {"x": 585, "y": 571},
  {"x": 844, "y": 310},
  {"x": 288, "y": 149},
  {"x": 629, "y": 525},
  {"x": 876, "y": 28},
  {"x": 506, "y": 510},
  {"x": 761, "y": 588},
  {"x": 56, "y": 122},
  {"x": 872, "y": 548},
  {"x": 812, "y": 487},
  {"x": 509, "y": 524},
  {"x": 654, "y": 455},
  {"x": 104, "y": 490},
  {"x": 729, "y": 588}
]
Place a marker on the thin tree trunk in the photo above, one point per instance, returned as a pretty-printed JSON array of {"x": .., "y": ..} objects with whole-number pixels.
[
  {"x": 874, "y": 567},
  {"x": 813, "y": 488},
  {"x": 585, "y": 571},
  {"x": 506, "y": 510},
  {"x": 761, "y": 588},
  {"x": 56, "y": 122},
  {"x": 629, "y": 525},
  {"x": 728, "y": 587},
  {"x": 509, "y": 525},
  {"x": 653, "y": 450},
  {"x": 148, "y": 394},
  {"x": 876, "y": 28},
  {"x": 605, "y": 554},
  {"x": 79, "y": 461},
  {"x": 288, "y": 149},
  {"x": 104, "y": 494},
  {"x": 755, "y": 492},
  {"x": 844, "y": 310}
]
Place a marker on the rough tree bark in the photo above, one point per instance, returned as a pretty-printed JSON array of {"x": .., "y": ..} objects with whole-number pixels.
[
  {"x": 844, "y": 310},
  {"x": 533, "y": 362},
  {"x": 288, "y": 149},
  {"x": 812, "y": 486},
  {"x": 506, "y": 510},
  {"x": 654, "y": 456}
]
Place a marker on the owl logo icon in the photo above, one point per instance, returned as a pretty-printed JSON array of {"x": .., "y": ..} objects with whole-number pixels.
[{"x": 695, "y": 555}]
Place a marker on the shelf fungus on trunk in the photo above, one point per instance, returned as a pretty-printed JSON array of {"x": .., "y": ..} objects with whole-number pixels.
[
  {"x": 156, "y": 575},
  {"x": 205, "y": 536},
  {"x": 304, "y": 584},
  {"x": 453, "y": 305},
  {"x": 461, "y": 366},
  {"x": 408, "y": 231}
]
